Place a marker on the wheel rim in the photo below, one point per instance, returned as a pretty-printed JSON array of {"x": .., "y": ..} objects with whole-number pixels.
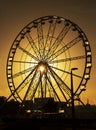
[{"x": 41, "y": 57}]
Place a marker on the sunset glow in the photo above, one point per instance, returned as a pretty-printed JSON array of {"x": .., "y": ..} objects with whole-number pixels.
[
  {"x": 42, "y": 68},
  {"x": 50, "y": 46}
]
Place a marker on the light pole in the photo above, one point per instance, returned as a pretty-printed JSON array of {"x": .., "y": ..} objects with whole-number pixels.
[{"x": 72, "y": 94}]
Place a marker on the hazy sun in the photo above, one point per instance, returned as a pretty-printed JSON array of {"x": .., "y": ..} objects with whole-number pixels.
[{"x": 42, "y": 67}]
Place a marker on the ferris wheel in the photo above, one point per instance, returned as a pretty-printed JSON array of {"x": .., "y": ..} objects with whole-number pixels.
[{"x": 42, "y": 56}]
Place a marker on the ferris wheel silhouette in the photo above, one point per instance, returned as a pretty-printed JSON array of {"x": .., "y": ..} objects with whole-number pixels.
[{"x": 42, "y": 56}]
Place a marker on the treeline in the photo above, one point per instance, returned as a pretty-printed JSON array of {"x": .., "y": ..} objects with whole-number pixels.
[
  {"x": 8, "y": 108},
  {"x": 12, "y": 107}
]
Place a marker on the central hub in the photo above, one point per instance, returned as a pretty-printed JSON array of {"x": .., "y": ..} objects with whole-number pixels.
[{"x": 42, "y": 67}]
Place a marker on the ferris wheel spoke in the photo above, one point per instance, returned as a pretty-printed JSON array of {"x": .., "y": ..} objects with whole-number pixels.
[
  {"x": 65, "y": 48},
  {"x": 67, "y": 59},
  {"x": 28, "y": 53},
  {"x": 24, "y": 85},
  {"x": 34, "y": 89},
  {"x": 20, "y": 86},
  {"x": 52, "y": 86},
  {"x": 61, "y": 82},
  {"x": 32, "y": 44},
  {"x": 22, "y": 72},
  {"x": 50, "y": 89},
  {"x": 66, "y": 72},
  {"x": 50, "y": 34},
  {"x": 59, "y": 86},
  {"x": 51, "y": 31},
  {"x": 25, "y": 62},
  {"x": 28, "y": 92},
  {"x": 41, "y": 87},
  {"x": 44, "y": 84},
  {"x": 40, "y": 38},
  {"x": 59, "y": 39}
]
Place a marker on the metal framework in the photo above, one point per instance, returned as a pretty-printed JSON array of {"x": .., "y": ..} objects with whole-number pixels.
[{"x": 41, "y": 57}]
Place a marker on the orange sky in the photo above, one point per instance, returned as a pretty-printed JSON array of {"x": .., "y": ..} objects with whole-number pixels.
[{"x": 15, "y": 14}]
